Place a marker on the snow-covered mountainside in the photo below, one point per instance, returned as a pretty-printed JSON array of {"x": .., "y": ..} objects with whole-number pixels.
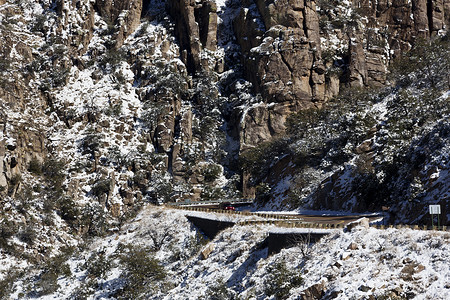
[
  {"x": 157, "y": 256},
  {"x": 109, "y": 106}
]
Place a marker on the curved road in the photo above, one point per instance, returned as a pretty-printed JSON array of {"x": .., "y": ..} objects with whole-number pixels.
[
  {"x": 332, "y": 219},
  {"x": 306, "y": 218}
]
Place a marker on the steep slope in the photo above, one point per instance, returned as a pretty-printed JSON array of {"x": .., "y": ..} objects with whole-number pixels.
[
  {"x": 370, "y": 148},
  {"x": 108, "y": 105},
  {"x": 157, "y": 256},
  {"x": 175, "y": 102}
]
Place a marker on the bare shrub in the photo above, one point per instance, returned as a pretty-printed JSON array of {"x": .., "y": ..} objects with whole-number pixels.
[{"x": 304, "y": 243}]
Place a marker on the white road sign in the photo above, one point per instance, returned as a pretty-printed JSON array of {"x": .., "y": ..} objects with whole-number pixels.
[{"x": 435, "y": 209}]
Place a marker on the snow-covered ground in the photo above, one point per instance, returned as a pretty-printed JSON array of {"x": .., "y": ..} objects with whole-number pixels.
[
  {"x": 403, "y": 263},
  {"x": 388, "y": 263}
]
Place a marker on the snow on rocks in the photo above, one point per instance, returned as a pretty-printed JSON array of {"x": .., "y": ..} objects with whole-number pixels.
[
  {"x": 354, "y": 264},
  {"x": 357, "y": 264}
]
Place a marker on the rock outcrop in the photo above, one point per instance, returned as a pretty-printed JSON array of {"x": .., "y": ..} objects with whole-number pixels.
[
  {"x": 281, "y": 49},
  {"x": 19, "y": 145},
  {"x": 282, "y": 44},
  {"x": 316, "y": 291},
  {"x": 262, "y": 122},
  {"x": 78, "y": 34},
  {"x": 125, "y": 15},
  {"x": 382, "y": 31},
  {"x": 196, "y": 30}
]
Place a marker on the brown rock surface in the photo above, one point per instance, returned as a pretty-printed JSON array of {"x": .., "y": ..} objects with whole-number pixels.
[
  {"x": 282, "y": 56},
  {"x": 315, "y": 291},
  {"x": 196, "y": 29},
  {"x": 262, "y": 122},
  {"x": 357, "y": 66},
  {"x": 127, "y": 13},
  {"x": 205, "y": 252},
  {"x": 80, "y": 35}
]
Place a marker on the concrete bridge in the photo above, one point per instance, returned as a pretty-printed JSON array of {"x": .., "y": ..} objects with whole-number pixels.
[{"x": 275, "y": 241}]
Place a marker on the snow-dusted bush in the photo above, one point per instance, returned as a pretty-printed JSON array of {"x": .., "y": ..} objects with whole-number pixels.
[
  {"x": 280, "y": 279},
  {"x": 27, "y": 234},
  {"x": 142, "y": 272},
  {"x": 7, "y": 284},
  {"x": 152, "y": 112},
  {"x": 101, "y": 187},
  {"x": 5, "y": 64},
  {"x": 68, "y": 210},
  {"x": 162, "y": 188},
  {"x": 7, "y": 229},
  {"x": 93, "y": 219},
  {"x": 53, "y": 170},
  {"x": 38, "y": 24},
  {"x": 426, "y": 65},
  {"x": 211, "y": 172},
  {"x": 212, "y": 193},
  {"x": 91, "y": 142},
  {"x": 47, "y": 281},
  {"x": 257, "y": 160},
  {"x": 219, "y": 291},
  {"x": 35, "y": 166},
  {"x": 97, "y": 265},
  {"x": 111, "y": 59},
  {"x": 165, "y": 80},
  {"x": 159, "y": 235}
]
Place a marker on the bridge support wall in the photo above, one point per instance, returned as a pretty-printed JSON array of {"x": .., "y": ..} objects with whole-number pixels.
[
  {"x": 278, "y": 241},
  {"x": 209, "y": 227}
]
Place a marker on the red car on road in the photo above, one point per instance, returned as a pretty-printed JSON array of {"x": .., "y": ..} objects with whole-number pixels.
[{"x": 227, "y": 206}]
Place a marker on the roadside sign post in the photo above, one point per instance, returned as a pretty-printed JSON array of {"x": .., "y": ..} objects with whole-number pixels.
[{"x": 435, "y": 210}]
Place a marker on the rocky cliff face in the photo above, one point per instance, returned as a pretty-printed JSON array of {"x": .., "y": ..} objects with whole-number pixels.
[
  {"x": 394, "y": 26},
  {"x": 157, "y": 100},
  {"x": 282, "y": 58},
  {"x": 196, "y": 29},
  {"x": 125, "y": 15},
  {"x": 285, "y": 62},
  {"x": 281, "y": 49}
]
